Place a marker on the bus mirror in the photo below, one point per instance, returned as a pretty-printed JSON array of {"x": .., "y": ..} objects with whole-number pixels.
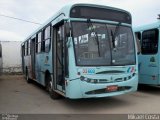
[
  {"x": 68, "y": 34},
  {"x": 68, "y": 30},
  {"x": 68, "y": 41}
]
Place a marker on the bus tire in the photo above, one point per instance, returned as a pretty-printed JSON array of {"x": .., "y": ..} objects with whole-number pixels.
[
  {"x": 27, "y": 77},
  {"x": 52, "y": 93}
]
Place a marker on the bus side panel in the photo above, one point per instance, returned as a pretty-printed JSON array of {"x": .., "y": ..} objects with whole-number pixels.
[
  {"x": 23, "y": 65},
  {"x": 38, "y": 68},
  {"x": 148, "y": 69},
  {"x": 147, "y": 79},
  {"x": 27, "y": 65},
  {"x": 43, "y": 64},
  {"x": 46, "y": 66}
]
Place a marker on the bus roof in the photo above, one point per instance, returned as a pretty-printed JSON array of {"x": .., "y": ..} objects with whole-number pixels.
[
  {"x": 66, "y": 12},
  {"x": 147, "y": 27}
]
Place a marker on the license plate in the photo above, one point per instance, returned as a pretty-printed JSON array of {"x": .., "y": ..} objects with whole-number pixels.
[{"x": 112, "y": 88}]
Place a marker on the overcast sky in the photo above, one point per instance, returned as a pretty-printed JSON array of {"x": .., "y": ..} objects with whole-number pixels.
[{"x": 143, "y": 12}]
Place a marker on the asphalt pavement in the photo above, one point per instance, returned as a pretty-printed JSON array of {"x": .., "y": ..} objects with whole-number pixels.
[{"x": 17, "y": 96}]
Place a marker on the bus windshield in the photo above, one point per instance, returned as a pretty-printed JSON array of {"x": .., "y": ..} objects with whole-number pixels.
[{"x": 99, "y": 44}]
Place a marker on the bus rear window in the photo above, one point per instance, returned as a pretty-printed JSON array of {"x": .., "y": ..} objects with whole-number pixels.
[{"x": 149, "y": 42}]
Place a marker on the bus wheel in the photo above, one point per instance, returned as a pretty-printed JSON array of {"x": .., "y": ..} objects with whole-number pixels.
[
  {"x": 52, "y": 93},
  {"x": 27, "y": 77}
]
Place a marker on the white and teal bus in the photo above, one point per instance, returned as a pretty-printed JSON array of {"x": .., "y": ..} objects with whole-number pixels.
[
  {"x": 84, "y": 51},
  {"x": 148, "y": 36}
]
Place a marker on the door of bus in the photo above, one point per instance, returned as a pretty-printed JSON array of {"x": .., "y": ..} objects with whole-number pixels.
[
  {"x": 59, "y": 57},
  {"x": 33, "y": 57}
]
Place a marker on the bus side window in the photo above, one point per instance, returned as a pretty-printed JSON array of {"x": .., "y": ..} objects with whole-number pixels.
[
  {"x": 29, "y": 43},
  {"x": 43, "y": 41},
  {"x": 0, "y": 50},
  {"x": 150, "y": 41},
  {"x": 138, "y": 41},
  {"x": 26, "y": 48},
  {"x": 39, "y": 41},
  {"x": 36, "y": 43},
  {"x": 47, "y": 37}
]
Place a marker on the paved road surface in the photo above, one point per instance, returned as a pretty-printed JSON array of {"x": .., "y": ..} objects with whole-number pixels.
[{"x": 17, "y": 96}]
